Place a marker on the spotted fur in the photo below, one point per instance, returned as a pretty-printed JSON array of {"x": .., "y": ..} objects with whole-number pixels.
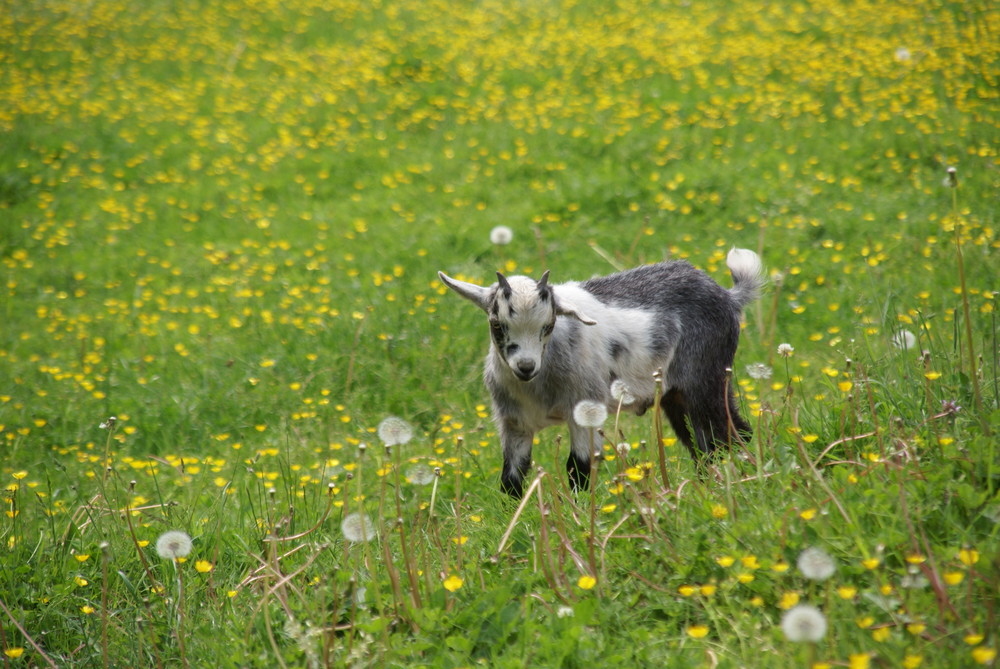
[{"x": 553, "y": 346}]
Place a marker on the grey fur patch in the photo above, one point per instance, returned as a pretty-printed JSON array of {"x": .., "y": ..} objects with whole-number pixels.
[{"x": 667, "y": 317}]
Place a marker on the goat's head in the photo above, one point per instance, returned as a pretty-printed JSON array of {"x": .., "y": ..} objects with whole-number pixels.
[{"x": 522, "y": 315}]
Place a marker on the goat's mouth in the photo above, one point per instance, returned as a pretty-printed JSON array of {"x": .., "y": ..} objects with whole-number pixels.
[{"x": 525, "y": 376}]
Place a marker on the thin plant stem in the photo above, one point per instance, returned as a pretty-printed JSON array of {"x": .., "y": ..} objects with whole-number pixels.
[
  {"x": 591, "y": 535},
  {"x": 24, "y": 633},
  {"x": 658, "y": 429},
  {"x": 970, "y": 349},
  {"x": 181, "y": 646},
  {"x": 105, "y": 558}
]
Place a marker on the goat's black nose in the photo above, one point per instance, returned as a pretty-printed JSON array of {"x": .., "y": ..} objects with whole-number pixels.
[{"x": 526, "y": 366}]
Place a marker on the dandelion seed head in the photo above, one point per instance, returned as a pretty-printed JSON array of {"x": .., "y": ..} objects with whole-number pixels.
[
  {"x": 358, "y": 528},
  {"x": 951, "y": 181},
  {"x": 759, "y": 371},
  {"x": 815, "y": 564},
  {"x": 785, "y": 350},
  {"x": 394, "y": 431},
  {"x": 173, "y": 544},
  {"x": 903, "y": 55},
  {"x": 904, "y": 340},
  {"x": 501, "y": 235},
  {"x": 420, "y": 475},
  {"x": 950, "y": 406},
  {"x": 590, "y": 414},
  {"x": 803, "y": 622},
  {"x": 564, "y": 612},
  {"x": 914, "y": 579},
  {"x": 621, "y": 393}
]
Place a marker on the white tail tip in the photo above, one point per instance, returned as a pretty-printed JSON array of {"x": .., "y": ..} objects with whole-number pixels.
[{"x": 744, "y": 262}]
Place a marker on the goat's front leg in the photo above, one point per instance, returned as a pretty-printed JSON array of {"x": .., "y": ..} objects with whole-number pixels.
[
  {"x": 584, "y": 449},
  {"x": 516, "y": 444}
]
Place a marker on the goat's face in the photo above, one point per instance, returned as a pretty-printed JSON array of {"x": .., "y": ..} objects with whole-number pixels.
[{"x": 522, "y": 315}]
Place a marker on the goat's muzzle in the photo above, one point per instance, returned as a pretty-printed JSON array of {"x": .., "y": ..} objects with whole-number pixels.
[{"x": 525, "y": 370}]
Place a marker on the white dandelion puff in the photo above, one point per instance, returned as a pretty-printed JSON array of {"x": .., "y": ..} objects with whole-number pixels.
[
  {"x": 903, "y": 55},
  {"x": 564, "y": 612},
  {"x": 951, "y": 181},
  {"x": 394, "y": 431},
  {"x": 904, "y": 340},
  {"x": 420, "y": 475},
  {"x": 759, "y": 371},
  {"x": 501, "y": 235},
  {"x": 621, "y": 393},
  {"x": 173, "y": 544},
  {"x": 914, "y": 580},
  {"x": 803, "y": 623},
  {"x": 590, "y": 414},
  {"x": 785, "y": 350},
  {"x": 358, "y": 528},
  {"x": 815, "y": 564}
]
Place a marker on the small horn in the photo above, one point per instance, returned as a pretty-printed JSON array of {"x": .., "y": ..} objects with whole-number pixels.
[
  {"x": 543, "y": 283},
  {"x": 504, "y": 285}
]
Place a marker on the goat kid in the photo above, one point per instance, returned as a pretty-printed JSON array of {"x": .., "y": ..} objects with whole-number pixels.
[{"x": 556, "y": 345}]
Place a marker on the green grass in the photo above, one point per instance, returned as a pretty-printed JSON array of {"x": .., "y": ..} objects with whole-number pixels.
[{"x": 221, "y": 225}]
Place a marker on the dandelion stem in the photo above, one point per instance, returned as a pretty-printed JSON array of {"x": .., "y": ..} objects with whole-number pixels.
[
  {"x": 970, "y": 350},
  {"x": 180, "y": 614},
  {"x": 411, "y": 571},
  {"x": 518, "y": 512},
  {"x": 658, "y": 429},
  {"x": 105, "y": 557}
]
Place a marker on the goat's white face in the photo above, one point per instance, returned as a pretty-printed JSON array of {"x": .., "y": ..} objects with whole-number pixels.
[
  {"x": 522, "y": 315},
  {"x": 522, "y": 318}
]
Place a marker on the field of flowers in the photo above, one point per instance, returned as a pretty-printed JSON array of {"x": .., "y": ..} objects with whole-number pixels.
[{"x": 242, "y": 423}]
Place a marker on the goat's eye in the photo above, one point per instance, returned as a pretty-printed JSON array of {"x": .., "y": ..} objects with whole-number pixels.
[{"x": 498, "y": 330}]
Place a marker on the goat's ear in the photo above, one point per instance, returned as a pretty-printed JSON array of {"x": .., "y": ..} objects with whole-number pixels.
[
  {"x": 478, "y": 295},
  {"x": 564, "y": 308}
]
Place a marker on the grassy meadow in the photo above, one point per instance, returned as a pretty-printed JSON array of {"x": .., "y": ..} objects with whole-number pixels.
[{"x": 220, "y": 226}]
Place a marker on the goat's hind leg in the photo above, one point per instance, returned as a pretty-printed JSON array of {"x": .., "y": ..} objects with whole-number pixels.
[
  {"x": 716, "y": 421},
  {"x": 675, "y": 409},
  {"x": 742, "y": 428}
]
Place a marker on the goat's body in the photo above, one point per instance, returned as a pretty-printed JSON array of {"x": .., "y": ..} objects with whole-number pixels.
[{"x": 669, "y": 318}]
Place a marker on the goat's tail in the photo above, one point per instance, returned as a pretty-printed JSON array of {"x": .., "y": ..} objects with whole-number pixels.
[{"x": 748, "y": 275}]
